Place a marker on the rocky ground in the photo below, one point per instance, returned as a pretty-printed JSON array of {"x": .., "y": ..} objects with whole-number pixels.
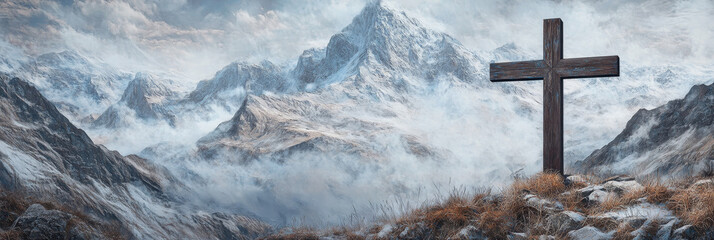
[
  {"x": 548, "y": 206},
  {"x": 22, "y": 217}
]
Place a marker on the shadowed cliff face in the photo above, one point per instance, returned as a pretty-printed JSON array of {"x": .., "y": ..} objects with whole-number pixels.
[
  {"x": 44, "y": 155},
  {"x": 33, "y": 124},
  {"x": 676, "y": 139}
]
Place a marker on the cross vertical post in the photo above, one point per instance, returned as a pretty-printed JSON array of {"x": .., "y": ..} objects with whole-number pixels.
[{"x": 552, "y": 97}]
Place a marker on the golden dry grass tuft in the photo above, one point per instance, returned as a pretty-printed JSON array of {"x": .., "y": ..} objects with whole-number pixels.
[
  {"x": 295, "y": 234},
  {"x": 623, "y": 233},
  {"x": 547, "y": 185},
  {"x": 653, "y": 190},
  {"x": 695, "y": 205}
]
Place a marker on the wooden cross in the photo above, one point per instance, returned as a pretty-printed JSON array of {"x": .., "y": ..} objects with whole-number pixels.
[{"x": 553, "y": 69}]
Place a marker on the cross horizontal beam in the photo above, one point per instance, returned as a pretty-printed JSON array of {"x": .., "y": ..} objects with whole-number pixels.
[
  {"x": 607, "y": 66},
  {"x": 517, "y": 71}
]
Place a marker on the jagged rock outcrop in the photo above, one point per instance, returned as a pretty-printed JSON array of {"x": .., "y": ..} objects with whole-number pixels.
[
  {"x": 676, "y": 139},
  {"x": 39, "y": 223},
  {"x": 44, "y": 155}
]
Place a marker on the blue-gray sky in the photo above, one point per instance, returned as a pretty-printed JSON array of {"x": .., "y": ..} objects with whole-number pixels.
[{"x": 196, "y": 38}]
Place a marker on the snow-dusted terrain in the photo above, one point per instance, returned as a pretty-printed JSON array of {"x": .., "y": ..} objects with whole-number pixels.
[
  {"x": 42, "y": 154},
  {"x": 387, "y": 110}
]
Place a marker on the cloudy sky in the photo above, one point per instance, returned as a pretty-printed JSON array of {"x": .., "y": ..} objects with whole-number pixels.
[{"x": 196, "y": 38}]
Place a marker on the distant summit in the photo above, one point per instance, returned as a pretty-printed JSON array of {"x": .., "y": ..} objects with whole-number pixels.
[
  {"x": 144, "y": 98},
  {"x": 673, "y": 140}
]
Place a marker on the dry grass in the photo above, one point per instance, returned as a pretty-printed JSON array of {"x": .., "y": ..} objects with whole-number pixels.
[
  {"x": 346, "y": 233},
  {"x": 11, "y": 202},
  {"x": 295, "y": 236},
  {"x": 623, "y": 233},
  {"x": 10, "y": 235},
  {"x": 655, "y": 192},
  {"x": 452, "y": 215},
  {"x": 548, "y": 185},
  {"x": 695, "y": 206},
  {"x": 607, "y": 224}
]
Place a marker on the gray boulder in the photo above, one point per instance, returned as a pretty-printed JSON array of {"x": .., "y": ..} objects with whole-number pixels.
[
  {"x": 589, "y": 232},
  {"x": 39, "y": 223},
  {"x": 564, "y": 222},
  {"x": 467, "y": 233}
]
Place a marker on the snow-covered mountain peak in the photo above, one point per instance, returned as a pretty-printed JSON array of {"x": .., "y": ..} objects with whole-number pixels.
[
  {"x": 147, "y": 86},
  {"x": 381, "y": 43}
]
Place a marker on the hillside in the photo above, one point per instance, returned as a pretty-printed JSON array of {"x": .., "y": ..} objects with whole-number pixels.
[
  {"x": 547, "y": 206},
  {"x": 46, "y": 159}
]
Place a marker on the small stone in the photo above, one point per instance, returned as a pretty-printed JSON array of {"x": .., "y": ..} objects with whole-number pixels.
[
  {"x": 576, "y": 179},
  {"x": 665, "y": 230},
  {"x": 386, "y": 229},
  {"x": 517, "y": 236},
  {"x": 564, "y": 222},
  {"x": 546, "y": 237},
  {"x": 622, "y": 186},
  {"x": 620, "y": 178},
  {"x": 600, "y": 196},
  {"x": 589, "y": 232},
  {"x": 541, "y": 204},
  {"x": 404, "y": 232},
  {"x": 685, "y": 232},
  {"x": 634, "y": 222},
  {"x": 469, "y": 233},
  {"x": 586, "y": 191}
]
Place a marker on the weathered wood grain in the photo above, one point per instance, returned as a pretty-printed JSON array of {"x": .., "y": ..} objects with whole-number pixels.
[
  {"x": 552, "y": 97},
  {"x": 515, "y": 71},
  {"x": 553, "y": 69},
  {"x": 607, "y": 66},
  {"x": 552, "y": 41}
]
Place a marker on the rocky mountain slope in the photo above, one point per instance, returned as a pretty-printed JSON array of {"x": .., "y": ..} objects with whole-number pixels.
[
  {"x": 47, "y": 157},
  {"x": 676, "y": 139}
]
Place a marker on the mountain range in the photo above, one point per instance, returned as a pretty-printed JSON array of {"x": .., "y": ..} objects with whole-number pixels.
[{"x": 386, "y": 108}]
